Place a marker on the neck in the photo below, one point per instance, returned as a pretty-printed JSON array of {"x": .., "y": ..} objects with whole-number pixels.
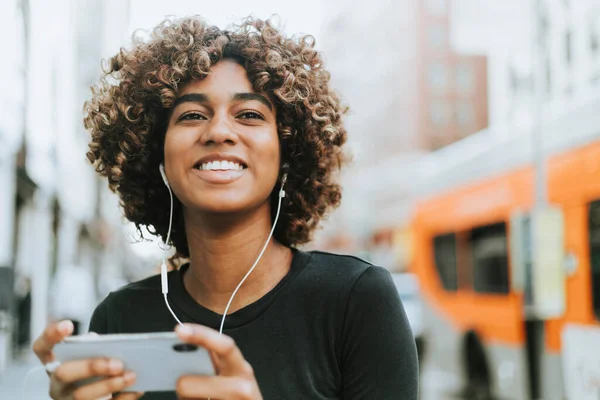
[{"x": 221, "y": 254}]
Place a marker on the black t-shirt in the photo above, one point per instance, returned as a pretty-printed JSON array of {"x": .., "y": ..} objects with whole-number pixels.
[{"x": 333, "y": 328}]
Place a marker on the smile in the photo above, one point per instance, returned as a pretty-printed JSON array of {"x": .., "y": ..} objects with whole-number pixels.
[{"x": 219, "y": 172}]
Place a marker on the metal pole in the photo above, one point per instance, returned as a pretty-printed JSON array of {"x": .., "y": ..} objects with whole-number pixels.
[{"x": 539, "y": 76}]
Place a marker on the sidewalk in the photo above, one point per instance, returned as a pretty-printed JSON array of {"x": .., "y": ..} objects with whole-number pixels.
[{"x": 22, "y": 382}]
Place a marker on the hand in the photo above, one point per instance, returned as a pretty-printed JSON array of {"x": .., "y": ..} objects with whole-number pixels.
[
  {"x": 63, "y": 381},
  {"x": 235, "y": 379}
]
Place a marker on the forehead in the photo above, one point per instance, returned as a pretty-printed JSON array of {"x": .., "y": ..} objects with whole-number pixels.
[{"x": 226, "y": 77}]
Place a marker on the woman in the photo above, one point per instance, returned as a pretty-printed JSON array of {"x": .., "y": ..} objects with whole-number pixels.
[{"x": 230, "y": 115}]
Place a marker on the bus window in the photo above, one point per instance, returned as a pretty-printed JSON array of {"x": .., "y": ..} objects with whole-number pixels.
[
  {"x": 594, "y": 232},
  {"x": 490, "y": 259},
  {"x": 445, "y": 260}
]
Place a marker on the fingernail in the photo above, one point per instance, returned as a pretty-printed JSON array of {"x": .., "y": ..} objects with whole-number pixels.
[
  {"x": 115, "y": 365},
  {"x": 65, "y": 326},
  {"x": 129, "y": 376},
  {"x": 185, "y": 330}
]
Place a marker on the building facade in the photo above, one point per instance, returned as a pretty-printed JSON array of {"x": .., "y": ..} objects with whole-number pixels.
[
  {"x": 53, "y": 210},
  {"x": 564, "y": 62},
  {"x": 410, "y": 92}
]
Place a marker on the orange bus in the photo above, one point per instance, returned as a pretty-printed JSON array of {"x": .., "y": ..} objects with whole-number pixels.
[{"x": 477, "y": 270}]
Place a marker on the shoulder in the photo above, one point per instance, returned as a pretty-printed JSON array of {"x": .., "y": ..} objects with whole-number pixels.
[
  {"x": 340, "y": 273},
  {"x": 134, "y": 290},
  {"x": 135, "y": 296},
  {"x": 338, "y": 263},
  {"x": 346, "y": 267}
]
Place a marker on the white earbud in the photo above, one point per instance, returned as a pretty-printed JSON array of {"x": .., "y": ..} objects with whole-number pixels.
[
  {"x": 163, "y": 174},
  {"x": 285, "y": 168}
]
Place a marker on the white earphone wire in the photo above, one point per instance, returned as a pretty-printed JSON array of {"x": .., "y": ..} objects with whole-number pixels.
[
  {"x": 163, "y": 267},
  {"x": 281, "y": 195}
]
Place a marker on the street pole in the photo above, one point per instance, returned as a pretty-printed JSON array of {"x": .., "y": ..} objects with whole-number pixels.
[{"x": 539, "y": 76}]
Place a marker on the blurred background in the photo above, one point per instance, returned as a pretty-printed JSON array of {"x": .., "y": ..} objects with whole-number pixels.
[{"x": 475, "y": 134}]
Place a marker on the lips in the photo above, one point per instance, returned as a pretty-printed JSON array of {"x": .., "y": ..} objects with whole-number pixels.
[{"x": 219, "y": 176}]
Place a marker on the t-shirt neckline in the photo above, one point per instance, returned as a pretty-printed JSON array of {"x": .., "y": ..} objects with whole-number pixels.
[{"x": 197, "y": 313}]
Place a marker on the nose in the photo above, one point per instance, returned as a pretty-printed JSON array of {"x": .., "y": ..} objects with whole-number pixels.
[{"x": 220, "y": 130}]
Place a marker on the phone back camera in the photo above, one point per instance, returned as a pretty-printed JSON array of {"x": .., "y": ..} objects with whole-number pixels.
[{"x": 185, "y": 347}]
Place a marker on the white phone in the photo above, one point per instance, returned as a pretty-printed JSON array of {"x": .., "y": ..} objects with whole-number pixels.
[{"x": 158, "y": 359}]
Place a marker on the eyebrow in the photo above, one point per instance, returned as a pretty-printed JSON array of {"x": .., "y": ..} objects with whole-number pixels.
[
  {"x": 253, "y": 96},
  {"x": 202, "y": 98}
]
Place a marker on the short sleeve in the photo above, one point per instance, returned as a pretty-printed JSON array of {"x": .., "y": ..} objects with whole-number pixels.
[
  {"x": 99, "y": 320},
  {"x": 379, "y": 357}
]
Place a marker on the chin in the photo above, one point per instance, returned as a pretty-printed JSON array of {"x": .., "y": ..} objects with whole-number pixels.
[{"x": 226, "y": 204}]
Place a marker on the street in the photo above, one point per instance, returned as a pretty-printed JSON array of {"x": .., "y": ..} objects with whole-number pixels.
[{"x": 24, "y": 380}]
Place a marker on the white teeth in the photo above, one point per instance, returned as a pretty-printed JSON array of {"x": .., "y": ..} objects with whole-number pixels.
[{"x": 221, "y": 166}]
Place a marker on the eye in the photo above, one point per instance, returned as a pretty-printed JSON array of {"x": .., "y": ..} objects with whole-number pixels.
[
  {"x": 250, "y": 115},
  {"x": 192, "y": 116}
]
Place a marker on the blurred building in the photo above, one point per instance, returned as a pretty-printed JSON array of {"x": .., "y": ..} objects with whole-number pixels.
[
  {"x": 410, "y": 93},
  {"x": 453, "y": 86},
  {"x": 565, "y": 60},
  {"x": 54, "y": 211},
  {"x": 408, "y": 89}
]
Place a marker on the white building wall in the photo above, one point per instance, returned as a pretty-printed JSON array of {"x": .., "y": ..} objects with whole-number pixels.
[
  {"x": 505, "y": 31},
  {"x": 34, "y": 257},
  {"x": 56, "y": 141},
  {"x": 11, "y": 122},
  {"x": 371, "y": 51}
]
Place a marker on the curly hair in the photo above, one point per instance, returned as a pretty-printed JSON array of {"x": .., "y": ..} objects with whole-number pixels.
[{"x": 129, "y": 111}]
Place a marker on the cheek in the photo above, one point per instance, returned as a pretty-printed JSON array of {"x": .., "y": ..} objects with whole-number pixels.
[
  {"x": 269, "y": 153},
  {"x": 176, "y": 146}
]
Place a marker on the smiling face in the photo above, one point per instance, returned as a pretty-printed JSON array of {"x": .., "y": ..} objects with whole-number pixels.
[{"x": 221, "y": 146}]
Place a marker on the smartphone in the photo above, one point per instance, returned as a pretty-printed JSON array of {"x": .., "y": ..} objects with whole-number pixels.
[{"x": 158, "y": 359}]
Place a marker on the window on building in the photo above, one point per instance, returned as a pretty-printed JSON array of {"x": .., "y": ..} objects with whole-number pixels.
[
  {"x": 438, "y": 78},
  {"x": 437, "y": 36},
  {"x": 544, "y": 25},
  {"x": 569, "y": 47},
  {"x": 489, "y": 252},
  {"x": 548, "y": 79},
  {"x": 465, "y": 113},
  {"x": 439, "y": 113},
  {"x": 436, "y": 7},
  {"x": 594, "y": 238},
  {"x": 465, "y": 79},
  {"x": 519, "y": 81},
  {"x": 595, "y": 36},
  {"x": 444, "y": 247}
]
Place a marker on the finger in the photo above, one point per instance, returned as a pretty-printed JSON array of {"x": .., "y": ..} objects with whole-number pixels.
[
  {"x": 74, "y": 371},
  {"x": 53, "y": 334},
  {"x": 229, "y": 357},
  {"x": 105, "y": 387},
  {"x": 128, "y": 396},
  {"x": 220, "y": 387},
  {"x": 215, "y": 362}
]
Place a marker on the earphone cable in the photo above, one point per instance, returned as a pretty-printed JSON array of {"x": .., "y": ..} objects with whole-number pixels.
[{"x": 281, "y": 195}]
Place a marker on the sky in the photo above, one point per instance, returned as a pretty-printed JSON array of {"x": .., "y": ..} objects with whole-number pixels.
[{"x": 305, "y": 17}]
